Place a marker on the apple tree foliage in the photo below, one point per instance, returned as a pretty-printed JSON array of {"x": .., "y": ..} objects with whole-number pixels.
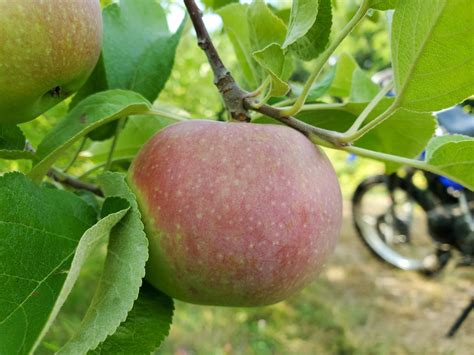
[{"x": 50, "y": 222}]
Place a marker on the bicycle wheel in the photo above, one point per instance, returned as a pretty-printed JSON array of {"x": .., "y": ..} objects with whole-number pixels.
[{"x": 393, "y": 226}]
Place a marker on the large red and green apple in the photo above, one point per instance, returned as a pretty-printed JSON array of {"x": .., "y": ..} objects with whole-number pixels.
[
  {"x": 48, "y": 48},
  {"x": 236, "y": 214}
]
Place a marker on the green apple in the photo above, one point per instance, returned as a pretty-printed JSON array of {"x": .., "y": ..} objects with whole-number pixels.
[
  {"x": 48, "y": 48},
  {"x": 236, "y": 214}
]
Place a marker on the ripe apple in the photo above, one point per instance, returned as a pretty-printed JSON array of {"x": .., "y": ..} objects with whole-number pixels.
[
  {"x": 48, "y": 49},
  {"x": 236, "y": 214}
]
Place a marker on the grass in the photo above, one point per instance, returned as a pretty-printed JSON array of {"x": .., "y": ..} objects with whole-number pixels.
[{"x": 304, "y": 324}]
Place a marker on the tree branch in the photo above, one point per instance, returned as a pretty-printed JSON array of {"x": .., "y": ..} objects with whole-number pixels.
[
  {"x": 68, "y": 180},
  {"x": 332, "y": 137},
  {"x": 232, "y": 94},
  {"x": 238, "y": 101}
]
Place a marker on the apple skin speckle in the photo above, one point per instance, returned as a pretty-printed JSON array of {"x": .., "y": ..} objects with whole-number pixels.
[{"x": 251, "y": 243}]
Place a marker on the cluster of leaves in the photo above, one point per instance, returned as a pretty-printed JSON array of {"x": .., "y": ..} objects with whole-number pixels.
[
  {"x": 272, "y": 40},
  {"x": 46, "y": 240},
  {"x": 432, "y": 70},
  {"x": 47, "y": 234}
]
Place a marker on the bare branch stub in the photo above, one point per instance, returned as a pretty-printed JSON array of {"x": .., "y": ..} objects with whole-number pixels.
[
  {"x": 232, "y": 94},
  {"x": 74, "y": 183}
]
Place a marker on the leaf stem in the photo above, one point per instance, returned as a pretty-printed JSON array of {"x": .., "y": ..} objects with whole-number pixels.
[
  {"x": 120, "y": 125},
  {"x": 419, "y": 164},
  {"x": 262, "y": 88},
  {"x": 315, "y": 107},
  {"x": 368, "y": 109},
  {"x": 76, "y": 154},
  {"x": 371, "y": 125},
  {"x": 264, "y": 99},
  {"x": 285, "y": 102},
  {"x": 311, "y": 107},
  {"x": 323, "y": 58}
]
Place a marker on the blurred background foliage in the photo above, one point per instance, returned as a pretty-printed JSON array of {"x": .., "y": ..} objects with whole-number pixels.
[{"x": 339, "y": 313}]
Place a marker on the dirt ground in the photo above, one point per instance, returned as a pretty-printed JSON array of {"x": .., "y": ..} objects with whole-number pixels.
[{"x": 409, "y": 310}]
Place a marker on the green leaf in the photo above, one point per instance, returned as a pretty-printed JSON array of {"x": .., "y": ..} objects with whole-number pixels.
[
  {"x": 96, "y": 82},
  {"x": 319, "y": 88},
  {"x": 144, "y": 63},
  {"x": 91, "y": 113},
  {"x": 91, "y": 240},
  {"x": 267, "y": 33},
  {"x": 155, "y": 65},
  {"x": 283, "y": 14},
  {"x": 217, "y": 4},
  {"x": 265, "y": 27},
  {"x": 432, "y": 53},
  {"x": 16, "y": 155},
  {"x": 404, "y": 133},
  {"x": 277, "y": 65},
  {"x": 90, "y": 198},
  {"x": 122, "y": 275},
  {"x": 103, "y": 132},
  {"x": 316, "y": 39},
  {"x": 147, "y": 325},
  {"x": 453, "y": 155},
  {"x": 12, "y": 143},
  {"x": 382, "y": 4},
  {"x": 11, "y": 137},
  {"x": 438, "y": 141},
  {"x": 302, "y": 17},
  {"x": 105, "y": 3},
  {"x": 40, "y": 229},
  {"x": 239, "y": 35},
  {"x": 137, "y": 131},
  {"x": 342, "y": 83},
  {"x": 363, "y": 89}
]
